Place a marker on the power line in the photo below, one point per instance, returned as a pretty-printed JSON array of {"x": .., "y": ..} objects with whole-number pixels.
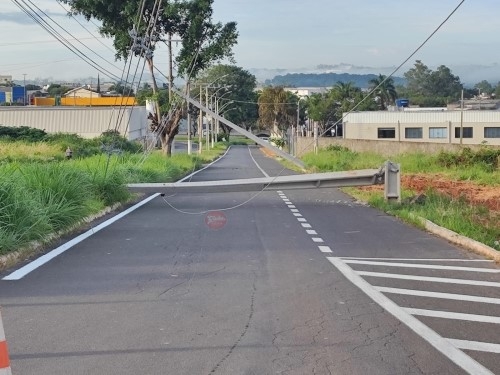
[
  {"x": 94, "y": 37},
  {"x": 30, "y": 12}
]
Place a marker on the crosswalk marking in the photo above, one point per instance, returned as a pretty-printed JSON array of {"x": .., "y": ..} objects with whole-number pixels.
[
  {"x": 429, "y": 278},
  {"x": 424, "y": 259},
  {"x": 453, "y": 315},
  {"x": 440, "y": 343},
  {"x": 424, "y": 293},
  {"x": 428, "y": 266},
  {"x": 475, "y": 345}
]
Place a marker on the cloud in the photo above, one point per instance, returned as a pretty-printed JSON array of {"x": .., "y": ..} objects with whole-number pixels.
[
  {"x": 373, "y": 51},
  {"x": 22, "y": 18},
  {"x": 16, "y": 17}
]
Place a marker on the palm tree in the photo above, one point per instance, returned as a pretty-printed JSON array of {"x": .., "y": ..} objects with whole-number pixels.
[
  {"x": 385, "y": 92},
  {"x": 345, "y": 90},
  {"x": 276, "y": 110}
]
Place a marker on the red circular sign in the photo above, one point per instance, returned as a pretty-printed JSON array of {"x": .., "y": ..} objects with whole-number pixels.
[{"x": 215, "y": 220}]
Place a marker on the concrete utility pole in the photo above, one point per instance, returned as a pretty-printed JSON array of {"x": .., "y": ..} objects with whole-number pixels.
[
  {"x": 462, "y": 117},
  {"x": 24, "y": 91},
  {"x": 200, "y": 125},
  {"x": 170, "y": 68},
  {"x": 207, "y": 126},
  {"x": 188, "y": 120}
]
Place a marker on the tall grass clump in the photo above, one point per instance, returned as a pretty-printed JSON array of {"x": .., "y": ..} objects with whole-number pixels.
[
  {"x": 457, "y": 215},
  {"x": 61, "y": 191},
  {"x": 28, "y": 152},
  {"x": 339, "y": 158},
  {"x": 21, "y": 216}
]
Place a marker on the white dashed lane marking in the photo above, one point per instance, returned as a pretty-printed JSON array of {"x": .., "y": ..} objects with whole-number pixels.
[
  {"x": 451, "y": 348},
  {"x": 325, "y": 249}
]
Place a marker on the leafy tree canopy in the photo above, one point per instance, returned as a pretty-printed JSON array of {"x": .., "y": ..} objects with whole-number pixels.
[
  {"x": 235, "y": 89},
  {"x": 432, "y": 88}
]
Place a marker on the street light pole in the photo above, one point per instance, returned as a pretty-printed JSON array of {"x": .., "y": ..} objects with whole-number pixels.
[
  {"x": 24, "y": 90},
  {"x": 217, "y": 100},
  {"x": 188, "y": 120},
  {"x": 200, "y": 129},
  {"x": 207, "y": 137},
  {"x": 200, "y": 125}
]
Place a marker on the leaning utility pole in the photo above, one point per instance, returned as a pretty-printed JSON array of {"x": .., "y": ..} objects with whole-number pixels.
[{"x": 170, "y": 69}]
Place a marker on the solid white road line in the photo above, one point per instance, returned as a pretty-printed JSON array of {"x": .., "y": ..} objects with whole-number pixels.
[
  {"x": 202, "y": 169},
  {"x": 438, "y": 342},
  {"x": 424, "y": 293},
  {"x": 431, "y": 279},
  {"x": 428, "y": 266},
  {"x": 453, "y": 315},
  {"x": 325, "y": 249},
  {"x": 423, "y": 260},
  {"x": 258, "y": 166},
  {"x": 23, "y": 271},
  {"x": 476, "y": 346}
]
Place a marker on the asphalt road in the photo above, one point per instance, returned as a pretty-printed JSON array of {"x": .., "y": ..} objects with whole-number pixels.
[{"x": 295, "y": 282}]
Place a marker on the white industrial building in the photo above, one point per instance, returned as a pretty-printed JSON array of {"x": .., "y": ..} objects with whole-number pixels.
[
  {"x": 88, "y": 122},
  {"x": 454, "y": 127}
]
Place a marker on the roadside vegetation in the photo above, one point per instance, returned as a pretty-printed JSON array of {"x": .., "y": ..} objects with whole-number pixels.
[
  {"x": 451, "y": 205},
  {"x": 43, "y": 194}
]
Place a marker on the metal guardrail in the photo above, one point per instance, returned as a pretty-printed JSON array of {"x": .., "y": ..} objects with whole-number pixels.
[{"x": 389, "y": 175}]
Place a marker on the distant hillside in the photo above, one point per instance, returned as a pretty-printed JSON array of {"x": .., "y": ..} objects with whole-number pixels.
[{"x": 326, "y": 80}]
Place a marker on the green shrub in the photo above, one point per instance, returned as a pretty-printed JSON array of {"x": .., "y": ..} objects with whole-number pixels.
[
  {"x": 22, "y": 133},
  {"x": 278, "y": 142},
  {"x": 486, "y": 157}
]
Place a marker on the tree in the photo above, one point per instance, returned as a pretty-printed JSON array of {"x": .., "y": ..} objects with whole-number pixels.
[
  {"x": 122, "y": 89},
  {"x": 277, "y": 110},
  {"x": 418, "y": 79},
  {"x": 385, "y": 92},
  {"x": 484, "y": 87},
  {"x": 497, "y": 90},
  {"x": 345, "y": 96},
  {"x": 444, "y": 84},
  {"x": 234, "y": 89},
  {"x": 432, "y": 88},
  {"x": 203, "y": 41},
  {"x": 56, "y": 89}
]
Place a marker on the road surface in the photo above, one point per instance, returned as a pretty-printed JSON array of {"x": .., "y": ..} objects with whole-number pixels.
[{"x": 289, "y": 282}]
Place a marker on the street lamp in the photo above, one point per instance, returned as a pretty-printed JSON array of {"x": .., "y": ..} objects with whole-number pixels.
[
  {"x": 216, "y": 107},
  {"x": 200, "y": 123},
  {"x": 218, "y": 110}
]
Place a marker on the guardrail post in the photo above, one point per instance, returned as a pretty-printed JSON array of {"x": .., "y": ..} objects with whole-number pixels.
[{"x": 392, "y": 182}]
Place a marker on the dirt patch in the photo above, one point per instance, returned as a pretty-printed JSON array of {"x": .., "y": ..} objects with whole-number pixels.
[{"x": 488, "y": 196}]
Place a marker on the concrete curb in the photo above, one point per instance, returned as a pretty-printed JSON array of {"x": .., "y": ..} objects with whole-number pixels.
[{"x": 465, "y": 242}]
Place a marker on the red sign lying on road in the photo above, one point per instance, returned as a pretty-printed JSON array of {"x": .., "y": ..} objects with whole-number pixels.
[{"x": 215, "y": 220}]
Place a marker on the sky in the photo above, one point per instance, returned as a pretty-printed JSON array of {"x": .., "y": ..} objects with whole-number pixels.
[{"x": 295, "y": 35}]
